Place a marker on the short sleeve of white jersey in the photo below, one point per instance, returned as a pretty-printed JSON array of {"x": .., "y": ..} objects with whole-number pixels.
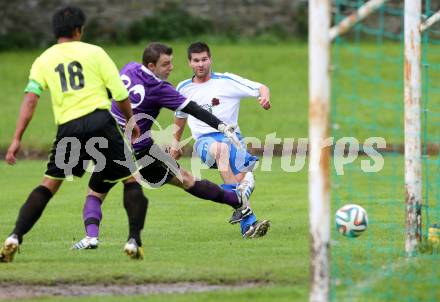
[
  {"x": 242, "y": 87},
  {"x": 178, "y": 113}
]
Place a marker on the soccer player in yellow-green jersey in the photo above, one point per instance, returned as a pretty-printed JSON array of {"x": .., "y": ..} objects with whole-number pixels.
[
  {"x": 81, "y": 78},
  {"x": 77, "y": 75}
]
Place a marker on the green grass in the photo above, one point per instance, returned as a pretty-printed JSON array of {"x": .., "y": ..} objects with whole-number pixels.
[
  {"x": 187, "y": 239},
  {"x": 259, "y": 62},
  {"x": 367, "y": 80}
]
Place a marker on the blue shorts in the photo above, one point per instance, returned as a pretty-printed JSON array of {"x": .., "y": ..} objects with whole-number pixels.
[{"x": 239, "y": 160}]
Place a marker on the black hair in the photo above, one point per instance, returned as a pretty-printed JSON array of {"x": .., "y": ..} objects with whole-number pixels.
[
  {"x": 66, "y": 20},
  {"x": 153, "y": 51},
  {"x": 198, "y": 47}
]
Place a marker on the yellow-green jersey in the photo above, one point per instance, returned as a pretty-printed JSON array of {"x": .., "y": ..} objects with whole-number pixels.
[{"x": 78, "y": 76}]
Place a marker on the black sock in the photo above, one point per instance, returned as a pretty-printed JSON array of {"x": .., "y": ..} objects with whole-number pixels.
[
  {"x": 136, "y": 204},
  {"x": 31, "y": 210}
]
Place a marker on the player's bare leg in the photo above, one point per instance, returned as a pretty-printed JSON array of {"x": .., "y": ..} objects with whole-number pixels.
[
  {"x": 245, "y": 185},
  {"x": 220, "y": 151}
]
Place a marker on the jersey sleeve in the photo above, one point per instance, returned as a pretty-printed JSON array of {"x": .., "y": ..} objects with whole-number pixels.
[
  {"x": 181, "y": 114},
  {"x": 241, "y": 87},
  {"x": 179, "y": 87},
  {"x": 36, "y": 76},
  {"x": 110, "y": 75},
  {"x": 168, "y": 97}
]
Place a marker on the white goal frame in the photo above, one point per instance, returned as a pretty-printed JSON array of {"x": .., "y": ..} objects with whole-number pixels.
[{"x": 320, "y": 37}]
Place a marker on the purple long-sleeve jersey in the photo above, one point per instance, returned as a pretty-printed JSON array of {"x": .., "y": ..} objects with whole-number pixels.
[{"x": 148, "y": 94}]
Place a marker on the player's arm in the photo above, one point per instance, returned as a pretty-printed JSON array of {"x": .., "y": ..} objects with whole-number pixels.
[
  {"x": 264, "y": 98},
  {"x": 32, "y": 94},
  {"x": 125, "y": 107},
  {"x": 201, "y": 114},
  {"x": 175, "y": 149},
  {"x": 27, "y": 109}
]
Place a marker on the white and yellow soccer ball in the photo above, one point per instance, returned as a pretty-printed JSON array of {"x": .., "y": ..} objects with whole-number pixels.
[{"x": 351, "y": 220}]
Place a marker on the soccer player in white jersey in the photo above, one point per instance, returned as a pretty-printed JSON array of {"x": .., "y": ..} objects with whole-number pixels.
[{"x": 220, "y": 93}]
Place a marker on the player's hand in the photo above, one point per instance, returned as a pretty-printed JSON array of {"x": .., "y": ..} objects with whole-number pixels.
[
  {"x": 175, "y": 153},
  {"x": 229, "y": 132},
  {"x": 264, "y": 102},
  {"x": 12, "y": 151},
  {"x": 135, "y": 133}
]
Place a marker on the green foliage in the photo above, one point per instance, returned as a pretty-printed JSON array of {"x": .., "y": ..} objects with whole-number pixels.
[
  {"x": 301, "y": 19},
  {"x": 273, "y": 33},
  {"x": 428, "y": 247},
  {"x": 168, "y": 23},
  {"x": 20, "y": 40},
  {"x": 96, "y": 32}
]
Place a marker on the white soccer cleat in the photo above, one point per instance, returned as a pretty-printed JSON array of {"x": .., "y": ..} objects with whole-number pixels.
[
  {"x": 133, "y": 250},
  {"x": 86, "y": 243},
  {"x": 246, "y": 188},
  {"x": 9, "y": 248}
]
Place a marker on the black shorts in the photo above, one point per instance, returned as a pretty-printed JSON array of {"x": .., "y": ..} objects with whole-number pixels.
[
  {"x": 97, "y": 137},
  {"x": 157, "y": 166}
]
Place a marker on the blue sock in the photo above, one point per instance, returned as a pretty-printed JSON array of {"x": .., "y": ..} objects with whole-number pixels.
[
  {"x": 246, "y": 222},
  {"x": 229, "y": 187}
]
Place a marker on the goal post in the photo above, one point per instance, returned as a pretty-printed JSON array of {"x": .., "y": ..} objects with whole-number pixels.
[
  {"x": 363, "y": 12},
  {"x": 319, "y": 163},
  {"x": 412, "y": 125},
  {"x": 430, "y": 22},
  {"x": 320, "y": 38}
]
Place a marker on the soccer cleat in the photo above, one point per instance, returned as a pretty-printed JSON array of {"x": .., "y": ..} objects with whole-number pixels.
[
  {"x": 246, "y": 188},
  {"x": 133, "y": 250},
  {"x": 258, "y": 229},
  {"x": 9, "y": 248},
  {"x": 239, "y": 214},
  {"x": 86, "y": 243}
]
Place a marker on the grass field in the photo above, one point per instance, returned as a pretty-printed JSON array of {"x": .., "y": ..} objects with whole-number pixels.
[
  {"x": 185, "y": 239},
  {"x": 188, "y": 240}
]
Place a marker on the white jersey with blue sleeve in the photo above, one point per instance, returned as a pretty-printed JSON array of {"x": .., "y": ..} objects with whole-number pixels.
[{"x": 220, "y": 95}]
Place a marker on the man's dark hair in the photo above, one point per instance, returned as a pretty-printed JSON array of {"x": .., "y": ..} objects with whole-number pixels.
[
  {"x": 153, "y": 51},
  {"x": 198, "y": 47},
  {"x": 66, "y": 20}
]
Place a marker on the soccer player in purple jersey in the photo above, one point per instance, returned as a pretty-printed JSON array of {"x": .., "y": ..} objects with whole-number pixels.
[{"x": 149, "y": 93}]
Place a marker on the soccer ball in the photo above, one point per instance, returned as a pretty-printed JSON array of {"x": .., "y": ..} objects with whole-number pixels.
[{"x": 351, "y": 220}]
